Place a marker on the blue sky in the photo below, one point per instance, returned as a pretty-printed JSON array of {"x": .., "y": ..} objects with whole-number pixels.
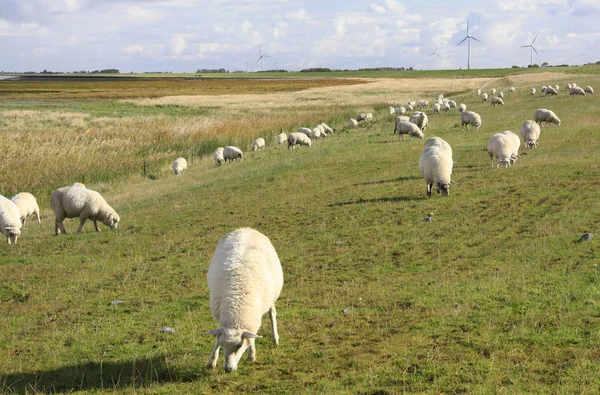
[{"x": 186, "y": 35}]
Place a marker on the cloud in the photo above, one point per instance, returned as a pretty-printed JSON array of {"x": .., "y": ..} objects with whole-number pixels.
[
  {"x": 340, "y": 25},
  {"x": 377, "y": 9},
  {"x": 177, "y": 44},
  {"x": 139, "y": 14},
  {"x": 246, "y": 26},
  {"x": 280, "y": 30},
  {"x": 298, "y": 15},
  {"x": 136, "y": 48}
]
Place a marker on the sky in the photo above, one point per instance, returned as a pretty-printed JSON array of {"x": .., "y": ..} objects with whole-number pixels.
[{"x": 187, "y": 35}]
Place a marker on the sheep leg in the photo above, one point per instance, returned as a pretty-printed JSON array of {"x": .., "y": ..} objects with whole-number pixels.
[
  {"x": 273, "y": 317},
  {"x": 81, "y": 222},
  {"x": 37, "y": 216},
  {"x": 214, "y": 355},
  {"x": 96, "y": 226},
  {"x": 59, "y": 227},
  {"x": 251, "y": 350},
  {"x": 429, "y": 187},
  {"x": 23, "y": 220}
]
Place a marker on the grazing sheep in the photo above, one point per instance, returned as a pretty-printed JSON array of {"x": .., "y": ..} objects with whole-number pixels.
[
  {"x": 500, "y": 95},
  {"x": 462, "y": 107},
  {"x": 361, "y": 117},
  {"x": 493, "y": 91},
  {"x": 218, "y": 156},
  {"x": 281, "y": 138},
  {"x": 230, "y": 153},
  {"x": 306, "y": 131},
  {"x": 420, "y": 119},
  {"x": 317, "y": 132},
  {"x": 451, "y": 103},
  {"x": 543, "y": 89},
  {"x": 438, "y": 142},
  {"x": 245, "y": 279},
  {"x": 179, "y": 166},
  {"x": 516, "y": 144},
  {"x": 400, "y": 118},
  {"x": 435, "y": 165},
  {"x": 484, "y": 96},
  {"x": 298, "y": 139},
  {"x": 409, "y": 107},
  {"x": 530, "y": 131},
  {"x": 550, "y": 91},
  {"x": 369, "y": 117},
  {"x": 588, "y": 89},
  {"x": 500, "y": 147},
  {"x": 470, "y": 118},
  {"x": 401, "y": 110},
  {"x": 27, "y": 206},
  {"x": 543, "y": 115},
  {"x": 391, "y": 110},
  {"x": 497, "y": 100},
  {"x": 576, "y": 90},
  {"x": 556, "y": 87},
  {"x": 478, "y": 92},
  {"x": 10, "y": 220},
  {"x": 259, "y": 143},
  {"x": 326, "y": 129},
  {"x": 352, "y": 122},
  {"x": 445, "y": 107},
  {"x": 532, "y": 91},
  {"x": 568, "y": 86},
  {"x": 82, "y": 203},
  {"x": 408, "y": 128},
  {"x": 436, "y": 108},
  {"x": 511, "y": 89}
]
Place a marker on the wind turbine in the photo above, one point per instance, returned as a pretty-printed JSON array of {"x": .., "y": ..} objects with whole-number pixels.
[
  {"x": 247, "y": 65},
  {"x": 469, "y": 37},
  {"x": 437, "y": 55},
  {"x": 531, "y": 50},
  {"x": 260, "y": 58}
]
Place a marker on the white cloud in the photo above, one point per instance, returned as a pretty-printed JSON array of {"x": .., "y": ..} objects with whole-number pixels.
[
  {"x": 298, "y": 15},
  {"x": 136, "y": 48},
  {"x": 246, "y": 26},
  {"x": 177, "y": 44},
  {"x": 377, "y": 9},
  {"x": 340, "y": 25},
  {"x": 140, "y": 14},
  {"x": 280, "y": 30}
]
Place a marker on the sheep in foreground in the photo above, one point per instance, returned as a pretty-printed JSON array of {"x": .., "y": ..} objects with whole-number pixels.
[
  {"x": 245, "y": 279},
  {"x": 470, "y": 118},
  {"x": 500, "y": 147},
  {"x": 179, "y": 166},
  {"x": 435, "y": 165},
  {"x": 497, "y": 101},
  {"x": 551, "y": 91},
  {"x": 548, "y": 116},
  {"x": 530, "y": 131},
  {"x": 408, "y": 128},
  {"x": 82, "y": 203},
  {"x": 576, "y": 90},
  {"x": 532, "y": 91},
  {"x": 10, "y": 220},
  {"x": 218, "y": 156},
  {"x": 516, "y": 144},
  {"x": 420, "y": 119},
  {"x": 281, "y": 138},
  {"x": 257, "y": 144},
  {"x": 484, "y": 96},
  {"x": 298, "y": 139},
  {"x": 438, "y": 142},
  {"x": 588, "y": 89},
  {"x": 462, "y": 107},
  {"x": 27, "y": 206},
  {"x": 230, "y": 153}
]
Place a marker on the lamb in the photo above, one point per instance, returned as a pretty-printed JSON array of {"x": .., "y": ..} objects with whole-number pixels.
[
  {"x": 550, "y": 91},
  {"x": 27, "y": 206},
  {"x": 511, "y": 89},
  {"x": 218, "y": 156},
  {"x": 73, "y": 202},
  {"x": 543, "y": 115},
  {"x": 435, "y": 165},
  {"x": 516, "y": 144},
  {"x": 352, "y": 122},
  {"x": 259, "y": 143},
  {"x": 484, "y": 96},
  {"x": 556, "y": 87},
  {"x": 326, "y": 129},
  {"x": 500, "y": 146},
  {"x": 245, "y": 279},
  {"x": 462, "y": 107},
  {"x": 179, "y": 166},
  {"x": 408, "y": 128},
  {"x": 530, "y": 131},
  {"x": 588, "y": 89},
  {"x": 576, "y": 90},
  {"x": 317, "y": 132},
  {"x": 436, "y": 108},
  {"x": 438, "y": 142},
  {"x": 532, "y": 91},
  {"x": 230, "y": 153},
  {"x": 298, "y": 139},
  {"x": 306, "y": 131},
  {"x": 497, "y": 100},
  {"x": 281, "y": 138},
  {"x": 470, "y": 118},
  {"x": 10, "y": 220}
]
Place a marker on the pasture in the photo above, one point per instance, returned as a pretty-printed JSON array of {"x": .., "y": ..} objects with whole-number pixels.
[{"x": 496, "y": 294}]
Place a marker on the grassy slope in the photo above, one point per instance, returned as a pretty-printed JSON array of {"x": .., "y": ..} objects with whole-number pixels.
[{"x": 494, "y": 295}]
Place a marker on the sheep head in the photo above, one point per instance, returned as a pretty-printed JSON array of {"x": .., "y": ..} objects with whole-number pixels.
[
  {"x": 234, "y": 343},
  {"x": 112, "y": 220},
  {"x": 12, "y": 233},
  {"x": 444, "y": 189}
]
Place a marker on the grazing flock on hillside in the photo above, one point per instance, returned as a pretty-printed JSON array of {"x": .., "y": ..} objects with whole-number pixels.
[{"x": 245, "y": 277}]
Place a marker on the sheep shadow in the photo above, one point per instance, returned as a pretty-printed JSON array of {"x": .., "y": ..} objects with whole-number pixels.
[
  {"x": 395, "y": 199},
  {"x": 397, "y": 179},
  {"x": 98, "y": 376}
]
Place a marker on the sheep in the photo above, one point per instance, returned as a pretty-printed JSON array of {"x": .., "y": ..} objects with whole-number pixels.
[
  {"x": 516, "y": 144},
  {"x": 352, "y": 122},
  {"x": 401, "y": 110},
  {"x": 230, "y": 153},
  {"x": 218, "y": 156},
  {"x": 436, "y": 108},
  {"x": 317, "y": 132},
  {"x": 530, "y": 131},
  {"x": 500, "y": 95},
  {"x": 369, "y": 117},
  {"x": 478, "y": 92},
  {"x": 361, "y": 117},
  {"x": 550, "y": 91},
  {"x": 391, "y": 110},
  {"x": 497, "y": 100},
  {"x": 470, "y": 118},
  {"x": 245, "y": 279},
  {"x": 420, "y": 119},
  {"x": 400, "y": 118},
  {"x": 576, "y": 90},
  {"x": 326, "y": 129},
  {"x": 435, "y": 165},
  {"x": 281, "y": 138},
  {"x": 493, "y": 91},
  {"x": 73, "y": 202},
  {"x": 484, "y": 96},
  {"x": 543, "y": 115},
  {"x": 306, "y": 131},
  {"x": 257, "y": 144},
  {"x": 500, "y": 146},
  {"x": 10, "y": 220},
  {"x": 568, "y": 86},
  {"x": 298, "y": 139},
  {"x": 438, "y": 142},
  {"x": 532, "y": 91},
  {"x": 588, "y": 89},
  {"x": 511, "y": 89},
  {"x": 462, "y": 107},
  {"x": 408, "y": 128},
  {"x": 556, "y": 87},
  {"x": 179, "y": 166},
  {"x": 27, "y": 206},
  {"x": 451, "y": 103},
  {"x": 445, "y": 107},
  {"x": 409, "y": 107},
  {"x": 543, "y": 89}
]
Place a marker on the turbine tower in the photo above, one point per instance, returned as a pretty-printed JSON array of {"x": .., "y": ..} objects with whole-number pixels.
[
  {"x": 437, "y": 55},
  {"x": 260, "y": 58},
  {"x": 469, "y": 37},
  {"x": 531, "y": 50}
]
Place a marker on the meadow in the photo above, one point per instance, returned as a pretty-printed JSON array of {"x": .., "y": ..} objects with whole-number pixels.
[{"x": 496, "y": 294}]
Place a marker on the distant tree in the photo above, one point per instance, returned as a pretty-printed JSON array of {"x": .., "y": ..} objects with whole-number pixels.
[
  {"x": 545, "y": 64},
  {"x": 110, "y": 71},
  {"x": 516, "y": 67},
  {"x": 533, "y": 65}
]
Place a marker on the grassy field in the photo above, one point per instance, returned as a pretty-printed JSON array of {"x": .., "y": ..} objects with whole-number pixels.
[{"x": 494, "y": 295}]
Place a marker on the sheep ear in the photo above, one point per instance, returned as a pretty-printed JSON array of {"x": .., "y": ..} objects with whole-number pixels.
[
  {"x": 215, "y": 332},
  {"x": 250, "y": 335}
]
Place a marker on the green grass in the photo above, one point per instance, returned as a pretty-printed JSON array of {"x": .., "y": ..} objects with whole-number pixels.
[{"x": 495, "y": 295}]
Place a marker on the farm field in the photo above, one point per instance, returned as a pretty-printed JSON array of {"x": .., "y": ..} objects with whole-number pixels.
[{"x": 496, "y": 294}]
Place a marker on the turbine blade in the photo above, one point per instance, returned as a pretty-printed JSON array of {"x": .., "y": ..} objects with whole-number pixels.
[
  {"x": 525, "y": 46},
  {"x": 475, "y": 39},
  {"x": 532, "y": 47},
  {"x": 438, "y": 55},
  {"x": 463, "y": 40},
  {"x": 258, "y": 60},
  {"x": 266, "y": 56},
  {"x": 534, "y": 39}
]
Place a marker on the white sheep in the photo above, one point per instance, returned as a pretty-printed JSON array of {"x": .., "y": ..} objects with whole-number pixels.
[
  {"x": 445, "y": 107},
  {"x": 478, "y": 92},
  {"x": 516, "y": 144},
  {"x": 500, "y": 95},
  {"x": 548, "y": 116},
  {"x": 500, "y": 147},
  {"x": 438, "y": 142},
  {"x": 82, "y": 203},
  {"x": 306, "y": 131},
  {"x": 281, "y": 138},
  {"x": 391, "y": 110},
  {"x": 10, "y": 220},
  {"x": 511, "y": 89},
  {"x": 179, "y": 166},
  {"x": 451, "y": 103},
  {"x": 218, "y": 156},
  {"x": 532, "y": 91},
  {"x": 543, "y": 89},
  {"x": 497, "y": 101},
  {"x": 401, "y": 110},
  {"x": 369, "y": 117},
  {"x": 550, "y": 91},
  {"x": 493, "y": 91},
  {"x": 326, "y": 129},
  {"x": 400, "y": 118},
  {"x": 298, "y": 139},
  {"x": 27, "y": 206},
  {"x": 317, "y": 132},
  {"x": 530, "y": 131},
  {"x": 568, "y": 86},
  {"x": 556, "y": 87},
  {"x": 576, "y": 90},
  {"x": 230, "y": 153},
  {"x": 408, "y": 128},
  {"x": 361, "y": 117},
  {"x": 589, "y": 89},
  {"x": 257, "y": 144},
  {"x": 420, "y": 119},
  {"x": 352, "y": 122},
  {"x": 462, "y": 107},
  {"x": 245, "y": 279},
  {"x": 484, "y": 96},
  {"x": 435, "y": 165},
  {"x": 470, "y": 118},
  {"x": 436, "y": 108}
]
